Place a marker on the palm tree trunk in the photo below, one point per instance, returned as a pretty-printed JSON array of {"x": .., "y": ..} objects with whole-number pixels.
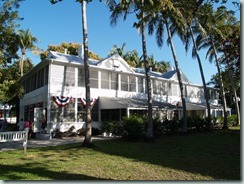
[
  {"x": 88, "y": 140},
  {"x": 184, "y": 126},
  {"x": 149, "y": 134},
  {"x": 234, "y": 93},
  {"x": 206, "y": 95},
  {"x": 21, "y": 64},
  {"x": 225, "y": 125}
]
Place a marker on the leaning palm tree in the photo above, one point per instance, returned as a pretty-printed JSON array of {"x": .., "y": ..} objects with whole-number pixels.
[
  {"x": 231, "y": 58},
  {"x": 26, "y": 42},
  {"x": 213, "y": 23},
  {"x": 190, "y": 10},
  {"x": 159, "y": 18}
]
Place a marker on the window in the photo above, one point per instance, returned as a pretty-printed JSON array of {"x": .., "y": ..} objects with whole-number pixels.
[
  {"x": 69, "y": 76},
  {"x": 33, "y": 81},
  {"x": 81, "y": 77},
  {"x": 46, "y": 74},
  {"x": 174, "y": 88},
  {"x": 124, "y": 82},
  {"x": 140, "y": 84},
  {"x": 93, "y": 79},
  {"x": 112, "y": 114},
  {"x": 158, "y": 87},
  {"x": 132, "y": 83},
  {"x": 104, "y": 80},
  {"x": 114, "y": 81},
  {"x": 40, "y": 78}
]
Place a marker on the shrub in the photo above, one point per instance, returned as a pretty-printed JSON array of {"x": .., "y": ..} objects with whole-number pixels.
[
  {"x": 170, "y": 126},
  {"x": 117, "y": 128},
  {"x": 107, "y": 126},
  {"x": 232, "y": 120},
  {"x": 133, "y": 128},
  {"x": 157, "y": 127}
]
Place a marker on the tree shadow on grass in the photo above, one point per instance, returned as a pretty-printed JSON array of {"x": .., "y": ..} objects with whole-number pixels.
[
  {"x": 15, "y": 172},
  {"x": 215, "y": 154}
]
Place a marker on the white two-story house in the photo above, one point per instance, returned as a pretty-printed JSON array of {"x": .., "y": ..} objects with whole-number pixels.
[{"x": 55, "y": 88}]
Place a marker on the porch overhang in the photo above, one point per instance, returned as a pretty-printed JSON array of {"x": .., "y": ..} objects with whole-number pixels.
[{"x": 132, "y": 103}]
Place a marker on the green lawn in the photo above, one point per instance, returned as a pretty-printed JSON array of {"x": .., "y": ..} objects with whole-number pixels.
[{"x": 202, "y": 156}]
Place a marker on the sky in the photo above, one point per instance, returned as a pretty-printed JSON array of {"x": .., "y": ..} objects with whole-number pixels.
[{"x": 54, "y": 24}]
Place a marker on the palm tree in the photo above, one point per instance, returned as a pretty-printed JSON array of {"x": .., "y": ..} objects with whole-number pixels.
[
  {"x": 117, "y": 50},
  {"x": 231, "y": 57},
  {"x": 87, "y": 141},
  {"x": 26, "y": 42},
  {"x": 88, "y": 135},
  {"x": 218, "y": 25},
  {"x": 159, "y": 19},
  {"x": 157, "y": 66},
  {"x": 213, "y": 23},
  {"x": 132, "y": 58},
  {"x": 137, "y": 6},
  {"x": 190, "y": 10}
]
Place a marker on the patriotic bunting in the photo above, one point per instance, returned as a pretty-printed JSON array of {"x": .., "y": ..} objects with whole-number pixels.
[
  {"x": 83, "y": 102},
  {"x": 62, "y": 101}
]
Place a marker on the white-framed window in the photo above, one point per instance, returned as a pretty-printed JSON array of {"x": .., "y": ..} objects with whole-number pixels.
[
  {"x": 132, "y": 83},
  {"x": 124, "y": 82},
  {"x": 104, "y": 80}
]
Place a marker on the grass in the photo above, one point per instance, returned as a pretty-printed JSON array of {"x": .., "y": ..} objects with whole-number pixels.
[{"x": 203, "y": 156}]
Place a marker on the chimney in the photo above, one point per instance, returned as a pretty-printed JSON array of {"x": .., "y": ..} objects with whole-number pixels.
[{"x": 81, "y": 51}]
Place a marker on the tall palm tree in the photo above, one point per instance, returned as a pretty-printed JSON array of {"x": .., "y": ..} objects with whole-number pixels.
[
  {"x": 26, "y": 42},
  {"x": 190, "y": 10},
  {"x": 231, "y": 57},
  {"x": 159, "y": 18},
  {"x": 88, "y": 135},
  {"x": 213, "y": 22},
  {"x": 137, "y": 6}
]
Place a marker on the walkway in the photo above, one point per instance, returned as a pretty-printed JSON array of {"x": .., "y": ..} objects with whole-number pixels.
[{"x": 33, "y": 143}]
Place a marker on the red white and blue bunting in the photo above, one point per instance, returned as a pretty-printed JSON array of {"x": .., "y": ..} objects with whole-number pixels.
[
  {"x": 83, "y": 102},
  {"x": 62, "y": 101}
]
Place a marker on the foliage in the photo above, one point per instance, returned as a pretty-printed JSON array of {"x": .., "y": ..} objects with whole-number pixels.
[
  {"x": 8, "y": 23},
  {"x": 232, "y": 120},
  {"x": 113, "y": 127},
  {"x": 26, "y": 42},
  {"x": 72, "y": 49},
  {"x": 133, "y": 128},
  {"x": 10, "y": 88},
  {"x": 132, "y": 58},
  {"x": 171, "y": 127},
  {"x": 107, "y": 126},
  {"x": 158, "y": 130}
]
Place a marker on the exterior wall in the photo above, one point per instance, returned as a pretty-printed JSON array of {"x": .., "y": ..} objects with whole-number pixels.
[{"x": 67, "y": 80}]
